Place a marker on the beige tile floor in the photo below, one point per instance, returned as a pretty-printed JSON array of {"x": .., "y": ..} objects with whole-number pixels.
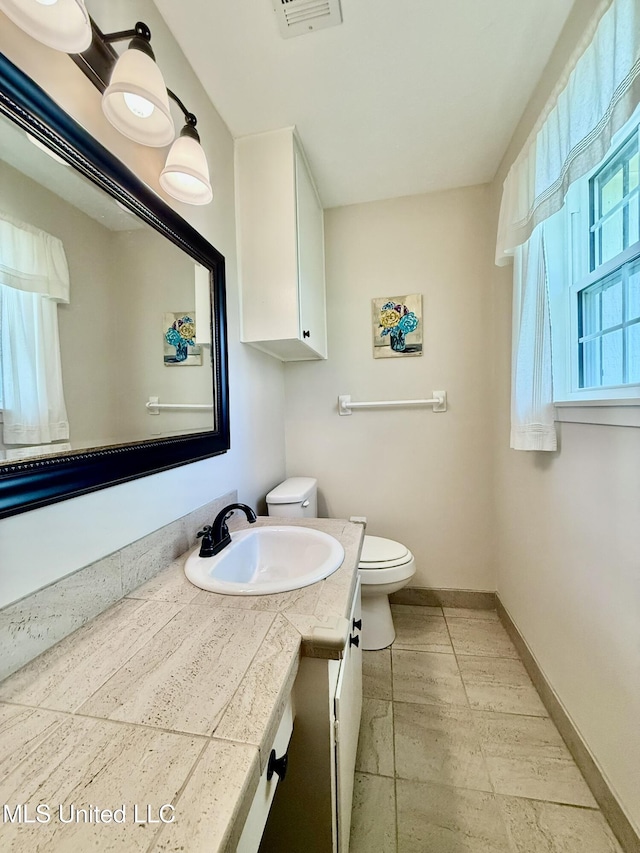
[{"x": 457, "y": 753}]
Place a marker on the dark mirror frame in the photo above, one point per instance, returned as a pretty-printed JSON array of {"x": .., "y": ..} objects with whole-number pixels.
[{"x": 35, "y": 483}]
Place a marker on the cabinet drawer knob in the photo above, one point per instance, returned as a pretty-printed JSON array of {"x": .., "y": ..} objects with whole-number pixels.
[
  {"x": 277, "y": 765},
  {"x": 357, "y": 624},
  {"x": 354, "y": 641},
  {"x": 306, "y": 333}
]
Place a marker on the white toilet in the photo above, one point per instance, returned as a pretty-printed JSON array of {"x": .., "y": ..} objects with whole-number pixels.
[{"x": 385, "y": 566}]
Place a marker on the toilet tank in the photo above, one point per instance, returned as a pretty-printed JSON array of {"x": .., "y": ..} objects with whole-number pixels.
[{"x": 297, "y": 497}]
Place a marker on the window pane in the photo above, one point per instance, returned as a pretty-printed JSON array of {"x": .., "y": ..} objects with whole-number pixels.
[
  {"x": 633, "y": 352},
  {"x": 612, "y": 236},
  {"x": 611, "y": 192},
  {"x": 590, "y": 312},
  {"x": 634, "y": 230},
  {"x": 633, "y": 171},
  {"x": 633, "y": 298},
  {"x": 612, "y": 358},
  {"x": 612, "y": 305},
  {"x": 590, "y": 364}
]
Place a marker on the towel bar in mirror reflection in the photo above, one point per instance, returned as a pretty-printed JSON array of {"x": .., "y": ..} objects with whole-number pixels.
[{"x": 154, "y": 406}]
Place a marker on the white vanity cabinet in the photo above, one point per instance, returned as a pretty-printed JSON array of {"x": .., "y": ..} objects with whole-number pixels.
[
  {"x": 312, "y": 811},
  {"x": 280, "y": 235}
]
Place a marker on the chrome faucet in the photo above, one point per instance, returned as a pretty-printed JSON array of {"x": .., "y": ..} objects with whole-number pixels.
[{"x": 216, "y": 536}]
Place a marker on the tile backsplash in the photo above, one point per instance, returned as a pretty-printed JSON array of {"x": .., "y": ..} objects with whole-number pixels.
[{"x": 35, "y": 623}]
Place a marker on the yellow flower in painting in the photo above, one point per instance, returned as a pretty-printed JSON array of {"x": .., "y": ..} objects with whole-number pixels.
[
  {"x": 187, "y": 331},
  {"x": 389, "y": 318}
]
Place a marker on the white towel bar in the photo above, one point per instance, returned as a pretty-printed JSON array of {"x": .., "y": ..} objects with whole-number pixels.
[
  {"x": 438, "y": 401},
  {"x": 155, "y": 407}
]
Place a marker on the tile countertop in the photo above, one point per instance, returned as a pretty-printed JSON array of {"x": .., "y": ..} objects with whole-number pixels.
[{"x": 171, "y": 698}]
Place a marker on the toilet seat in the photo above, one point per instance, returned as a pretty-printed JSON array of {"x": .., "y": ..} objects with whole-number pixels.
[
  {"x": 384, "y": 561},
  {"x": 379, "y": 553}
]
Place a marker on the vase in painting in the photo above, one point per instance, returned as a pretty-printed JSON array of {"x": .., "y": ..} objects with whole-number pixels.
[{"x": 397, "y": 340}]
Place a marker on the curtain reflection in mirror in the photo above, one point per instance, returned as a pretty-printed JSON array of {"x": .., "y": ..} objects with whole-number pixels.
[{"x": 34, "y": 277}]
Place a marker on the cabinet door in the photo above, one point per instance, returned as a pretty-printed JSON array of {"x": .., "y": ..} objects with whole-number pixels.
[
  {"x": 311, "y": 286},
  {"x": 348, "y": 709},
  {"x": 259, "y": 811}
]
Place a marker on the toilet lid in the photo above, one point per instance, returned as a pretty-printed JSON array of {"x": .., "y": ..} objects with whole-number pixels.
[{"x": 377, "y": 551}]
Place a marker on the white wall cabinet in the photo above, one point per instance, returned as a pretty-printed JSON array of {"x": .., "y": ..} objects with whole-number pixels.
[
  {"x": 280, "y": 232},
  {"x": 312, "y": 812}
]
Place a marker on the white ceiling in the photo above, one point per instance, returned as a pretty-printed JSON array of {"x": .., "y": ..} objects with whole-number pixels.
[{"x": 405, "y": 97}]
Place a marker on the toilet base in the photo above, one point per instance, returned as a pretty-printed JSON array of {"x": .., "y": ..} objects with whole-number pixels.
[
  {"x": 377, "y": 624},
  {"x": 377, "y": 585}
]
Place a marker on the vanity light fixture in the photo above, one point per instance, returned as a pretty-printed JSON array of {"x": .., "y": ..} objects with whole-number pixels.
[
  {"x": 135, "y": 99},
  {"x": 61, "y": 24}
]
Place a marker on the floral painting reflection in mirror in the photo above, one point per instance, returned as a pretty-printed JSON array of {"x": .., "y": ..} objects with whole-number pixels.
[
  {"x": 397, "y": 326},
  {"x": 180, "y": 340}
]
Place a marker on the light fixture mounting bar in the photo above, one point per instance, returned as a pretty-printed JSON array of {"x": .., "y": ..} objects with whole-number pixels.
[
  {"x": 98, "y": 60},
  {"x": 140, "y": 38},
  {"x": 141, "y": 30}
]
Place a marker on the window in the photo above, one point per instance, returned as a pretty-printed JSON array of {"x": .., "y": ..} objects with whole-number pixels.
[
  {"x": 594, "y": 279},
  {"x": 609, "y": 307},
  {"x": 609, "y": 330},
  {"x": 33, "y": 279}
]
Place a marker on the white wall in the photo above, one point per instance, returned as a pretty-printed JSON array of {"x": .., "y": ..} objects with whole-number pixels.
[
  {"x": 68, "y": 535},
  {"x": 568, "y": 547},
  {"x": 153, "y": 277},
  {"x": 419, "y": 477}
]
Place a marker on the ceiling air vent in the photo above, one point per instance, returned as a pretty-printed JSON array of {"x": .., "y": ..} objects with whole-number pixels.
[{"x": 300, "y": 17}]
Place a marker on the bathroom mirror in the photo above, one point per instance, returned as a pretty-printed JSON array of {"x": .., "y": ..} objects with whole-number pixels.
[{"x": 110, "y": 303}]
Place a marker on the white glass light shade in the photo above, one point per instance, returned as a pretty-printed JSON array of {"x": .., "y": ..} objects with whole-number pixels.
[
  {"x": 136, "y": 101},
  {"x": 185, "y": 176},
  {"x": 63, "y": 25}
]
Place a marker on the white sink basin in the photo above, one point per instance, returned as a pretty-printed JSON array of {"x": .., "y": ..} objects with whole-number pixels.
[{"x": 264, "y": 560}]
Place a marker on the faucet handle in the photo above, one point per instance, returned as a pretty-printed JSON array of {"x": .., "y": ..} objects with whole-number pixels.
[{"x": 206, "y": 548}]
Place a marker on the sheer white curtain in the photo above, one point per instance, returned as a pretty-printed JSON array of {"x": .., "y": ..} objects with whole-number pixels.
[
  {"x": 532, "y": 412},
  {"x": 597, "y": 94},
  {"x": 33, "y": 278}
]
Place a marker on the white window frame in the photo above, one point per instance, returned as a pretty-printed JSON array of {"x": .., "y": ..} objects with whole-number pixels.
[{"x": 567, "y": 236}]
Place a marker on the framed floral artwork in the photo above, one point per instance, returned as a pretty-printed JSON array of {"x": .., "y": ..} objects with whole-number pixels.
[
  {"x": 180, "y": 347},
  {"x": 397, "y": 326}
]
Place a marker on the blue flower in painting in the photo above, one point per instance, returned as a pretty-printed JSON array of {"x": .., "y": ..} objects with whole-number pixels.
[
  {"x": 172, "y": 337},
  {"x": 408, "y": 323},
  {"x": 385, "y": 332},
  {"x": 388, "y": 305}
]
